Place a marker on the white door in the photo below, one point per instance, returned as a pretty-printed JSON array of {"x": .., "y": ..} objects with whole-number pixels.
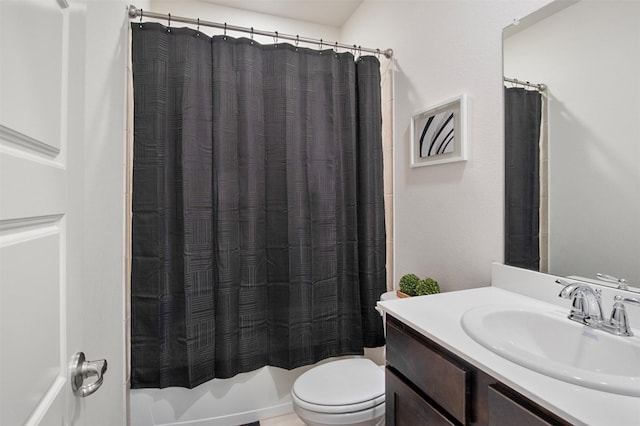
[{"x": 52, "y": 301}]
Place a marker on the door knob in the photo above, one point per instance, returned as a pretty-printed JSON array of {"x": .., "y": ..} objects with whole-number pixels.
[{"x": 82, "y": 369}]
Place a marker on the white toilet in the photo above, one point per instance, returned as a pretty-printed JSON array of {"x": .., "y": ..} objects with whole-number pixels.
[
  {"x": 344, "y": 392},
  {"x": 348, "y": 392}
]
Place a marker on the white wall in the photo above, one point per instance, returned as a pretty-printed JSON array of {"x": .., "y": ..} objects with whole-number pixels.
[
  {"x": 592, "y": 75},
  {"x": 242, "y": 18},
  {"x": 449, "y": 217}
]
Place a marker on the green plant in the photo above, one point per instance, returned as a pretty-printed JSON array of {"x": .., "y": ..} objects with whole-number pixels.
[
  {"x": 409, "y": 283},
  {"x": 427, "y": 286}
]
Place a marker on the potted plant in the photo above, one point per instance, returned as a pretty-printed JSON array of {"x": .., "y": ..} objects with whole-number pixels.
[{"x": 412, "y": 285}]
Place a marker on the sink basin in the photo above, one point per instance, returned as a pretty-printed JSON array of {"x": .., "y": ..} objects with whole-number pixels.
[{"x": 551, "y": 344}]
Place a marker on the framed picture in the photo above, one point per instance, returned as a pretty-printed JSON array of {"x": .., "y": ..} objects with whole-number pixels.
[{"x": 438, "y": 134}]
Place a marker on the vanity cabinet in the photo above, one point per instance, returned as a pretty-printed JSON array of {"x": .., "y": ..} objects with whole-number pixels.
[{"x": 427, "y": 384}]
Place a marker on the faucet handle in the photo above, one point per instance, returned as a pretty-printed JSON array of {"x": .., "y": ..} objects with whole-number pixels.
[
  {"x": 623, "y": 284},
  {"x": 632, "y": 300},
  {"x": 619, "y": 322}
]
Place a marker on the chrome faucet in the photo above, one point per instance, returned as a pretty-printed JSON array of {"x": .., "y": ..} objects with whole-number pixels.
[
  {"x": 585, "y": 302},
  {"x": 586, "y": 308}
]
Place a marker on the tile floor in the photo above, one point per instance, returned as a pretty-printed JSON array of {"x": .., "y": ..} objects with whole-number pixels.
[{"x": 286, "y": 420}]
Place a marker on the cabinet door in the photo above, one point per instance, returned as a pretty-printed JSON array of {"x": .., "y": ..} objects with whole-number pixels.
[
  {"x": 405, "y": 407},
  {"x": 433, "y": 370},
  {"x": 506, "y": 407}
]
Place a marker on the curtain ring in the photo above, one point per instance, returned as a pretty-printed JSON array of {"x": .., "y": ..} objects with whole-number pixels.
[
  {"x": 198, "y": 24},
  {"x": 378, "y": 53},
  {"x": 335, "y": 48},
  {"x": 225, "y": 29},
  {"x": 275, "y": 39},
  {"x": 169, "y": 26},
  {"x": 251, "y": 33},
  {"x": 321, "y": 46},
  {"x": 141, "y": 13}
]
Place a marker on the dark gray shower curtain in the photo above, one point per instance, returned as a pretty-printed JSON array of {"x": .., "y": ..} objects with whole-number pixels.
[
  {"x": 258, "y": 216},
  {"x": 522, "y": 177}
]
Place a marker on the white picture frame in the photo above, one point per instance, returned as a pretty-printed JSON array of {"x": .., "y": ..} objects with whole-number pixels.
[{"x": 438, "y": 134}]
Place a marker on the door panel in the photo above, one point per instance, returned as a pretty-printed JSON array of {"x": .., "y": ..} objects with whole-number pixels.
[
  {"x": 32, "y": 69},
  {"x": 30, "y": 318},
  {"x": 25, "y": 172},
  {"x": 33, "y": 212}
]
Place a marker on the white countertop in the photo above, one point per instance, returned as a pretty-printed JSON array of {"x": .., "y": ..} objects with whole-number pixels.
[{"x": 438, "y": 318}]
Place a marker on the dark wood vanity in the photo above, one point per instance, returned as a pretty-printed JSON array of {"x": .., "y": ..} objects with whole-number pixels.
[{"x": 428, "y": 385}]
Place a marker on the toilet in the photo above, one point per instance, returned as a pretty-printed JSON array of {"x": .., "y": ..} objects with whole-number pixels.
[
  {"x": 344, "y": 392},
  {"x": 347, "y": 392}
]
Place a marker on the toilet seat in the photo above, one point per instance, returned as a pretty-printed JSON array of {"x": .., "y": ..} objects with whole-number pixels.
[
  {"x": 338, "y": 409},
  {"x": 343, "y": 386}
]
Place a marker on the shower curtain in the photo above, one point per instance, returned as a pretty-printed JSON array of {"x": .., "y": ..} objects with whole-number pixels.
[
  {"x": 258, "y": 233},
  {"x": 522, "y": 177}
]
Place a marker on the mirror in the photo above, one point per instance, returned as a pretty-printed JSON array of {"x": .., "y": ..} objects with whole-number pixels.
[{"x": 587, "y": 55}]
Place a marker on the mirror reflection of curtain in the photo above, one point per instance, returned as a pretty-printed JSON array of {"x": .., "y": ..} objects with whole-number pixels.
[
  {"x": 523, "y": 112},
  {"x": 258, "y": 232}
]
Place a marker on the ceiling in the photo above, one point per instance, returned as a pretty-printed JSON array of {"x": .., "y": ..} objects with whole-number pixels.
[{"x": 333, "y": 13}]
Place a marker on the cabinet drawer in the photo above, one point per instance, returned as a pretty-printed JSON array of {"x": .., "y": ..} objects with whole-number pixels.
[
  {"x": 440, "y": 376},
  {"x": 506, "y": 407},
  {"x": 405, "y": 407}
]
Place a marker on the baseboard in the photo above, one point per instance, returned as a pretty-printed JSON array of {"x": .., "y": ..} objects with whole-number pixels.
[{"x": 237, "y": 418}]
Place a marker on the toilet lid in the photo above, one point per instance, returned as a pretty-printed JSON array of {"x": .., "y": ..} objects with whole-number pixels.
[{"x": 340, "y": 383}]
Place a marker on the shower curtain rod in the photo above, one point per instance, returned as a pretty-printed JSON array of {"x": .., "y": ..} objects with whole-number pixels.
[
  {"x": 540, "y": 87},
  {"x": 135, "y": 13}
]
